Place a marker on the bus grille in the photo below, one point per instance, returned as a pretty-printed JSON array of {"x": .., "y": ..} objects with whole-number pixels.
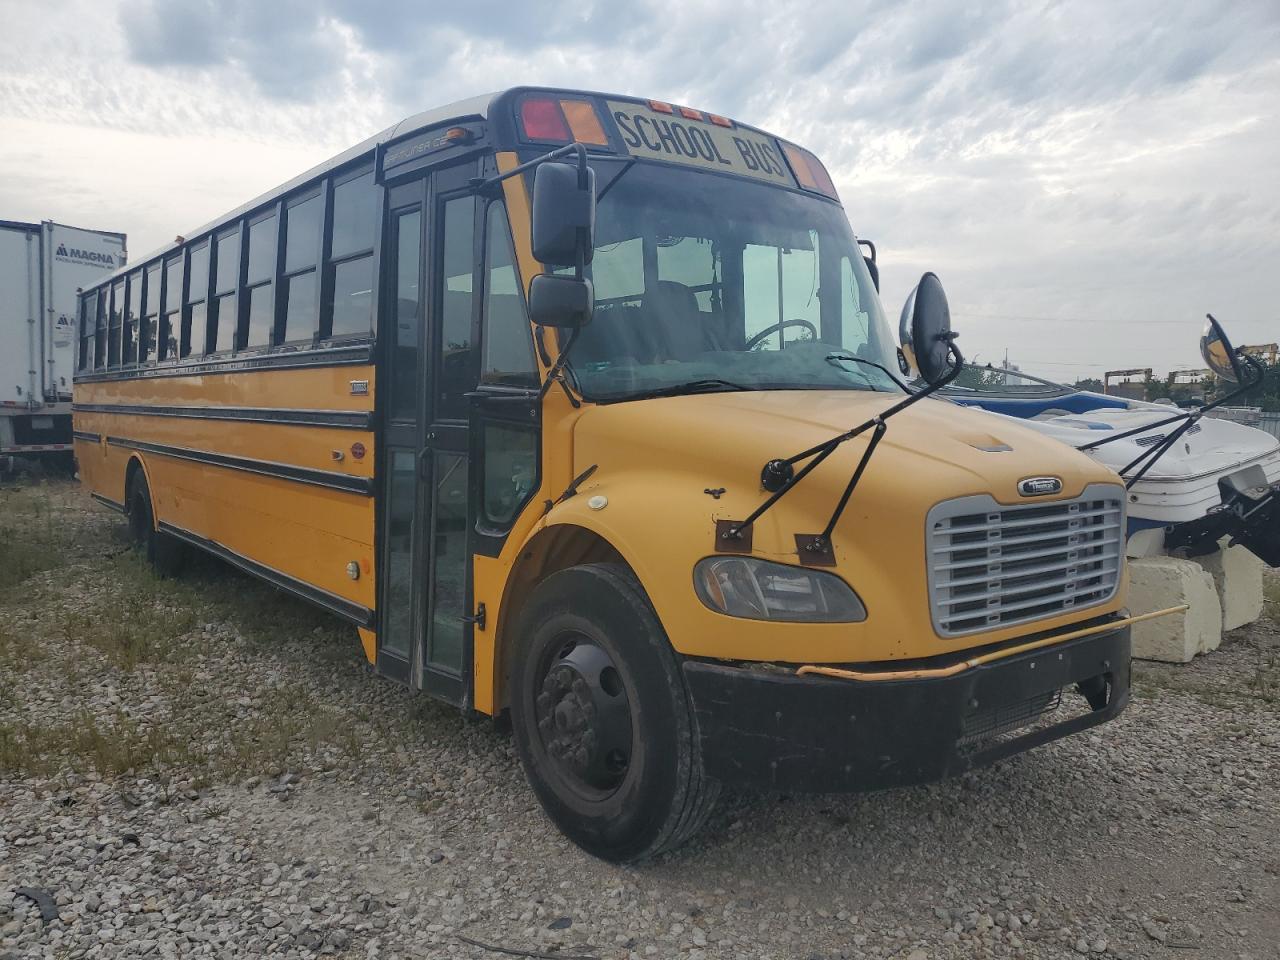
[{"x": 991, "y": 565}]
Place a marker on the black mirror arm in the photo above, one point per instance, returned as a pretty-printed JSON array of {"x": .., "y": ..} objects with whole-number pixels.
[
  {"x": 556, "y": 373},
  {"x": 1158, "y": 451},
  {"x": 579, "y": 151},
  {"x": 785, "y": 479}
]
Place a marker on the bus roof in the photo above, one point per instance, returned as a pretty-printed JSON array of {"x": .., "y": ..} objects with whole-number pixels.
[{"x": 471, "y": 107}]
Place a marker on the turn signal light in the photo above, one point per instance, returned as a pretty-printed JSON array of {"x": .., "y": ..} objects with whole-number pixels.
[{"x": 810, "y": 171}]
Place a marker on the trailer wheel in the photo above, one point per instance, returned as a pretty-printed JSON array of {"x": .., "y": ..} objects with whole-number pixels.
[
  {"x": 601, "y": 717},
  {"x": 162, "y": 551}
]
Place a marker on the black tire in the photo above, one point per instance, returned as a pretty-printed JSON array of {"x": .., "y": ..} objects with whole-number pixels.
[
  {"x": 162, "y": 551},
  {"x": 569, "y": 732}
]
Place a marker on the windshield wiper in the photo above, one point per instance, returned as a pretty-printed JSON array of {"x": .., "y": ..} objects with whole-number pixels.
[
  {"x": 835, "y": 358},
  {"x": 705, "y": 385}
]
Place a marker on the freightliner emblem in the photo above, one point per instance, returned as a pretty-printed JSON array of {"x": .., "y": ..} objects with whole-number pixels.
[{"x": 1039, "y": 486}]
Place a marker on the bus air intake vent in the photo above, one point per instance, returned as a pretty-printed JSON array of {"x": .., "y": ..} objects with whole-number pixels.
[{"x": 992, "y": 566}]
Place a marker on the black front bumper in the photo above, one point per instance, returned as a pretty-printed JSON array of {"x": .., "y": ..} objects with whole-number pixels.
[{"x": 823, "y": 734}]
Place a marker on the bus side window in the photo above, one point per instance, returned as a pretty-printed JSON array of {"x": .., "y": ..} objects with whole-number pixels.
[
  {"x": 506, "y": 339},
  {"x": 194, "y": 317},
  {"x": 302, "y": 221},
  {"x": 117, "y": 312},
  {"x": 88, "y": 317},
  {"x": 100, "y": 329}
]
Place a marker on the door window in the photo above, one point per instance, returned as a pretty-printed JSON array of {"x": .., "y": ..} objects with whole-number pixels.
[
  {"x": 449, "y": 561},
  {"x": 406, "y": 350},
  {"x": 457, "y": 269}
]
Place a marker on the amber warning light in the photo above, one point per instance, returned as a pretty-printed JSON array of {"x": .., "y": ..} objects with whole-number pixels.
[{"x": 562, "y": 121}]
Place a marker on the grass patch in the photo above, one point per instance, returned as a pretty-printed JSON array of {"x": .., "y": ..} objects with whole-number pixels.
[
  {"x": 142, "y": 621},
  {"x": 110, "y": 747},
  {"x": 33, "y": 534}
]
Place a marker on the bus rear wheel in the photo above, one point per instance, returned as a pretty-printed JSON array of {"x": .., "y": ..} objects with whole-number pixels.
[
  {"x": 161, "y": 550},
  {"x": 601, "y": 718}
]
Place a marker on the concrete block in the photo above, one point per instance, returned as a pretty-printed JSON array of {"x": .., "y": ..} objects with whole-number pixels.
[
  {"x": 1237, "y": 576},
  {"x": 1156, "y": 583}
]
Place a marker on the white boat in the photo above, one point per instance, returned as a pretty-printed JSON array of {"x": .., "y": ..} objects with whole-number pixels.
[{"x": 1217, "y": 478}]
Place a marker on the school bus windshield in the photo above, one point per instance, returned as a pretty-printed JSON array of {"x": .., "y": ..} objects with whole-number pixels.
[{"x": 700, "y": 277}]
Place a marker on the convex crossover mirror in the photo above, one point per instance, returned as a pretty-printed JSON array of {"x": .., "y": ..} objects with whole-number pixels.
[
  {"x": 1218, "y": 353},
  {"x": 925, "y": 329}
]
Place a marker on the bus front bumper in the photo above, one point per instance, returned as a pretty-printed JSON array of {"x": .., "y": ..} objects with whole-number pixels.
[{"x": 776, "y": 730}]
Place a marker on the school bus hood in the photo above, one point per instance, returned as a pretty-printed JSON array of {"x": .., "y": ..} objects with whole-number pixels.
[
  {"x": 934, "y": 450},
  {"x": 669, "y": 468}
]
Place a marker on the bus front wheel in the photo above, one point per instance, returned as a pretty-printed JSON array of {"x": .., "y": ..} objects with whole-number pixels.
[
  {"x": 162, "y": 551},
  {"x": 601, "y": 718}
]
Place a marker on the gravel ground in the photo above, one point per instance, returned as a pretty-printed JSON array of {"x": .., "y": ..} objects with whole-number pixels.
[{"x": 205, "y": 768}]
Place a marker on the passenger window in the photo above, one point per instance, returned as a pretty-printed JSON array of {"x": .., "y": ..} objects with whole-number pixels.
[
  {"x": 855, "y": 323},
  {"x": 224, "y": 321},
  {"x": 301, "y": 254},
  {"x": 88, "y": 318},
  {"x": 781, "y": 285},
  {"x": 131, "y": 315},
  {"x": 103, "y": 308},
  {"x": 458, "y": 265},
  {"x": 351, "y": 258},
  {"x": 170, "y": 323},
  {"x": 690, "y": 261},
  {"x": 617, "y": 271},
  {"x": 510, "y": 472},
  {"x": 508, "y": 340},
  {"x": 114, "y": 332},
  {"x": 193, "y": 319},
  {"x": 260, "y": 284},
  {"x": 150, "y": 314}
]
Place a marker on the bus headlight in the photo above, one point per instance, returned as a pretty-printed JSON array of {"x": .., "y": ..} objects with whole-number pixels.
[{"x": 761, "y": 590}]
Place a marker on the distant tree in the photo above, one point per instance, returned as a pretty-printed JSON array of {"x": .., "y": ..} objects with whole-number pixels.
[
  {"x": 979, "y": 378},
  {"x": 1089, "y": 383}
]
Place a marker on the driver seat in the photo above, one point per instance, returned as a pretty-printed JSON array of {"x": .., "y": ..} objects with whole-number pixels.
[{"x": 679, "y": 330}]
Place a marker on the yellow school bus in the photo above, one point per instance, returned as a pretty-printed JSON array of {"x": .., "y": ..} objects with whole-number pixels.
[{"x": 583, "y": 410}]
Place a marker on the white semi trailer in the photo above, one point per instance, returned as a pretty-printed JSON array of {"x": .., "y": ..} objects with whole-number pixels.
[{"x": 42, "y": 265}]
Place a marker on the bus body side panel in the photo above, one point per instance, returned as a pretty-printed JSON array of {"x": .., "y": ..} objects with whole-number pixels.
[{"x": 292, "y": 497}]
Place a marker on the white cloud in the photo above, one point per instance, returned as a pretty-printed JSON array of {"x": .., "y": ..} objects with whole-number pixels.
[{"x": 1087, "y": 178}]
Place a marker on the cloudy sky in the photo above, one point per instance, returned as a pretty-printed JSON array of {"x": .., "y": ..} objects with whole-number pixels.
[{"x": 1087, "y": 178}]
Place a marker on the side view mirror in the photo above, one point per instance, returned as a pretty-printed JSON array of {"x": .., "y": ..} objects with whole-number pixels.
[
  {"x": 925, "y": 330},
  {"x": 1218, "y": 353},
  {"x": 870, "y": 260},
  {"x": 556, "y": 301},
  {"x": 564, "y": 214}
]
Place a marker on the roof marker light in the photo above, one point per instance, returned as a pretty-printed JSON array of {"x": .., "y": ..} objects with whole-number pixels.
[
  {"x": 659, "y": 107},
  {"x": 719, "y": 121},
  {"x": 690, "y": 114}
]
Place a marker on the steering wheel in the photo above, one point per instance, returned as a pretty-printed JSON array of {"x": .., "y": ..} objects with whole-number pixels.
[{"x": 751, "y": 344}]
